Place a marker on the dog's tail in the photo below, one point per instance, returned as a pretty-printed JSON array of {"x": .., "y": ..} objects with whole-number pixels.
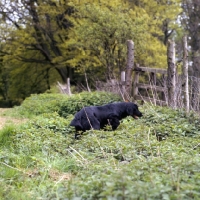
[{"x": 76, "y": 123}]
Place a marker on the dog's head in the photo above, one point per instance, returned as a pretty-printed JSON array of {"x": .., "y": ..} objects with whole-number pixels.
[{"x": 132, "y": 110}]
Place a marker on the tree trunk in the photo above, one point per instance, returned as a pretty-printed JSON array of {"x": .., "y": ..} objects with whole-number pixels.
[
  {"x": 123, "y": 89},
  {"x": 129, "y": 68},
  {"x": 171, "y": 73},
  {"x": 64, "y": 72},
  {"x": 185, "y": 74}
]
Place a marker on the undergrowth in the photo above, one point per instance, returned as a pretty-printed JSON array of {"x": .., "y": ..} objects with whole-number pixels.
[
  {"x": 61, "y": 103},
  {"x": 154, "y": 157}
]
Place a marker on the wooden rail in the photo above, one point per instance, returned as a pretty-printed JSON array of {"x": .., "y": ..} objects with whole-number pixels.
[
  {"x": 152, "y": 100},
  {"x": 151, "y": 88},
  {"x": 150, "y": 70}
]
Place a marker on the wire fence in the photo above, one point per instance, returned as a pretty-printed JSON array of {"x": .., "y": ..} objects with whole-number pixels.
[{"x": 152, "y": 95}]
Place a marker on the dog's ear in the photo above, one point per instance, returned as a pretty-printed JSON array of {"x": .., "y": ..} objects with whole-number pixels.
[{"x": 131, "y": 108}]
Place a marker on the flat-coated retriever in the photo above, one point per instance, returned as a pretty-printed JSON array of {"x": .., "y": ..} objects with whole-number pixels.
[{"x": 97, "y": 117}]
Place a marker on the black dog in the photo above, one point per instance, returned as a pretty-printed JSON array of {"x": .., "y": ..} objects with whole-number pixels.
[{"x": 97, "y": 117}]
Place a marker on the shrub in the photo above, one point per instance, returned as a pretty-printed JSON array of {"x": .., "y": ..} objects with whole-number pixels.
[
  {"x": 78, "y": 101},
  {"x": 37, "y": 104},
  {"x": 165, "y": 122}
]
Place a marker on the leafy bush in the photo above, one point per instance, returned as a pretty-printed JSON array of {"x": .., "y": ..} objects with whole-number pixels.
[
  {"x": 166, "y": 122},
  {"x": 78, "y": 101},
  {"x": 37, "y": 104}
]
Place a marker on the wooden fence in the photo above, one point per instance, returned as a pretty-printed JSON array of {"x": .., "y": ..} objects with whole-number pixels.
[
  {"x": 162, "y": 86},
  {"x": 158, "y": 86},
  {"x": 155, "y": 88}
]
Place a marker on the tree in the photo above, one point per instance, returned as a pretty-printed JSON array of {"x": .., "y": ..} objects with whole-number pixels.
[
  {"x": 56, "y": 35},
  {"x": 102, "y": 30},
  {"x": 20, "y": 79},
  {"x": 163, "y": 16},
  {"x": 3, "y": 79},
  {"x": 190, "y": 19},
  {"x": 41, "y": 29}
]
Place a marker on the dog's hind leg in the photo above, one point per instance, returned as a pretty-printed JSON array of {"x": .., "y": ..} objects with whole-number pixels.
[
  {"x": 90, "y": 122},
  {"x": 114, "y": 122},
  {"x": 94, "y": 123}
]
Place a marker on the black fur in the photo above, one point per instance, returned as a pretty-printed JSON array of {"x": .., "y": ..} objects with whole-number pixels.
[{"x": 97, "y": 117}]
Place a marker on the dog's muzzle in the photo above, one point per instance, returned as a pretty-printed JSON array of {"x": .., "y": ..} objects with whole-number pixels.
[{"x": 137, "y": 116}]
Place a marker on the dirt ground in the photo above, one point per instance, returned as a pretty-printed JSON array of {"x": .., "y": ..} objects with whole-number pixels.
[{"x": 8, "y": 120}]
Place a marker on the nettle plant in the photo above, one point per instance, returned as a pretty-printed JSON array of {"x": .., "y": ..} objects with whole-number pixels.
[{"x": 154, "y": 157}]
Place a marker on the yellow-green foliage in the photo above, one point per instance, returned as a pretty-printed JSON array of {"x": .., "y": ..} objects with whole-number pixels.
[
  {"x": 103, "y": 28},
  {"x": 159, "y": 13},
  {"x": 96, "y": 43}
]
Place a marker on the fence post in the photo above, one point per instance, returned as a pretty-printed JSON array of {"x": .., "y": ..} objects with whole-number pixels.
[
  {"x": 135, "y": 82},
  {"x": 185, "y": 74},
  {"x": 171, "y": 74},
  {"x": 68, "y": 87},
  {"x": 123, "y": 89},
  {"x": 123, "y": 74},
  {"x": 129, "y": 67}
]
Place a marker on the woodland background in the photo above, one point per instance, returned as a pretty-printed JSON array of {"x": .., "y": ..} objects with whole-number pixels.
[{"x": 45, "y": 41}]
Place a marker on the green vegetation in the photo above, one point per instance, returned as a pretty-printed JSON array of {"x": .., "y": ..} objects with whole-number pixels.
[
  {"x": 61, "y": 103},
  {"x": 102, "y": 30},
  {"x": 155, "y": 157},
  {"x": 56, "y": 40}
]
